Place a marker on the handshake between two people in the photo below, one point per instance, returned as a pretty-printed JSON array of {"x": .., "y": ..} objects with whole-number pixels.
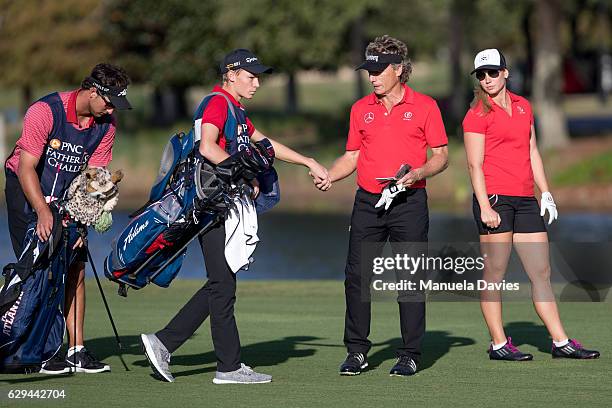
[{"x": 320, "y": 175}]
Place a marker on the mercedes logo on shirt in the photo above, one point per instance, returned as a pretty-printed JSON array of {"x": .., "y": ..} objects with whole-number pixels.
[{"x": 368, "y": 117}]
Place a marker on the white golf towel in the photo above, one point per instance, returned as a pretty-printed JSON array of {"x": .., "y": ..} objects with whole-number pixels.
[{"x": 241, "y": 234}]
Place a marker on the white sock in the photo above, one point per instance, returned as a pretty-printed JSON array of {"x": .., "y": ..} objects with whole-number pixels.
[
  {"x": 74, "y": 349},
  {"x": 561, "y": 343},
  {"x": 498, "y": 346}
]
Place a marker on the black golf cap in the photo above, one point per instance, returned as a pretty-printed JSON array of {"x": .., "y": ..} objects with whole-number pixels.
[
  {"x": 244, "y": 59},
  {"x": 115, "y": 94},
  {"x": 378, "y": 62}
]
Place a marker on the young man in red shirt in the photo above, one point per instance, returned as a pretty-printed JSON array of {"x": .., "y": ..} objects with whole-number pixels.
[
  {"x": 391, "y": 127},
  {"x": 241, "y": 70},
  {"x": 62, "y": 133}
]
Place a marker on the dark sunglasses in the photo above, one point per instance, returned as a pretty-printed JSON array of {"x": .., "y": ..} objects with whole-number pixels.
[
  {"x": 107, "y": 101},
  {"x": 493, "y": 73}
]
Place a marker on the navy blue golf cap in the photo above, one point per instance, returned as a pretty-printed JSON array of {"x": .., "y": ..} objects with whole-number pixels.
[{"x": 244, "y": 59}]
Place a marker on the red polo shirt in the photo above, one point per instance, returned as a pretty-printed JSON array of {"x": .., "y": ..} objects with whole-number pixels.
[
  {"x": 38, "y": 124},
  {"x": 216, "y": 114},
  {"x": 507, "y": 158},
  {"x": 386, "y": 140}
]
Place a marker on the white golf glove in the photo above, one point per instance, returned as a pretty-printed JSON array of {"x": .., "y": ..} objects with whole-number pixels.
[
  {"x": 548, "y": 204},
  {"x": 388, "y": 194}
]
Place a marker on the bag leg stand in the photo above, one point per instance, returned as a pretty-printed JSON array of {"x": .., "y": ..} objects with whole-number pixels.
[
  {"x": 67, "y": 264},
  {"x": 108, "y": 312}
]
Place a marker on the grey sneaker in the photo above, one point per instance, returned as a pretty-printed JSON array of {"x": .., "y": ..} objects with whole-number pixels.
[
  {"x": 158, "y": 356},
  {"x": 243, "y": 375}
]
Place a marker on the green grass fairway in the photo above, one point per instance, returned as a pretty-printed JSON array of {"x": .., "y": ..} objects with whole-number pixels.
[{"x": 293, "y": 331}]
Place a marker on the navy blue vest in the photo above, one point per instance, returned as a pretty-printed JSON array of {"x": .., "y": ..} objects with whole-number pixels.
[
  {"x": 235, "y": 129},
  {"x": 67, "y": 150},
  {"x": 237, "y": 138}
]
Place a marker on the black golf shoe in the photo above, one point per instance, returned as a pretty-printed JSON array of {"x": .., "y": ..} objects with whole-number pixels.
[
  {"x": 56, "y": 365},
  {"x": 404, "y": 367},
  {"x": 573, "y": 349},
  {"x": 85, "y": 362},
  {"x": 354, "y": 363},
  {"x": 509, "y": 353}
]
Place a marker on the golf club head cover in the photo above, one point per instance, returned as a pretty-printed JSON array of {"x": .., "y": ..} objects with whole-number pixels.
[
  {"x": 210, "y": 188},
  {"x": 243, "y": 165},
  {"x": 265, "y": 148}
]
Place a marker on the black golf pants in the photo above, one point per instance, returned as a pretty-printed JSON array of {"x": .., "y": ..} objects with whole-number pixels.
[
  {"x": 216, "y": 298},
  {"x": 407, "y": 220}
]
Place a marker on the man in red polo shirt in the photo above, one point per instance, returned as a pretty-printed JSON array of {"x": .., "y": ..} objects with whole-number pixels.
[
  {"x": 391, "y": 127},
  {"x": 62, "y": 133}
]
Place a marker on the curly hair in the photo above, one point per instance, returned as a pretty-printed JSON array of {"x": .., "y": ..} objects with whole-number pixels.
[
  {"x": 108, "y": 75},
  {"x": 389, "y": 45}
]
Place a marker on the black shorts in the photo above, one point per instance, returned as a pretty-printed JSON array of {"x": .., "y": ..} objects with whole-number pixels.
[
  {"x": 518, "y": 214},
  {"x": 20, "y": 215}
]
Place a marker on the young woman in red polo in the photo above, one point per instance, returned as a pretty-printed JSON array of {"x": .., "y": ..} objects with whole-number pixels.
[{"x": 504, "y": 162}]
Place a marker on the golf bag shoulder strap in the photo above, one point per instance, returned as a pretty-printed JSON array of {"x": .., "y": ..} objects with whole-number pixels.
[
  {"x": 181, "y": 145},
  {"x": 197, "y": 117}
]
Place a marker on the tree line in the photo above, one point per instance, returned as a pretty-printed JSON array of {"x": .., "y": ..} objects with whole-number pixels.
[{"x": 176, "y": 44}]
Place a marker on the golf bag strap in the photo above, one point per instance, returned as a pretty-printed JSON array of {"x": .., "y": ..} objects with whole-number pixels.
[{"x": 197, "y": 121}]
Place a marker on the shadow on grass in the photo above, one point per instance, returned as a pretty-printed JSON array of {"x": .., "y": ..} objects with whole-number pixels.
[
  {"x": 266, "y": 354},
  {"x": 102, "y": 348},
  {"x": 529, "y": 333},
  {"x": 436, "y": 344}
]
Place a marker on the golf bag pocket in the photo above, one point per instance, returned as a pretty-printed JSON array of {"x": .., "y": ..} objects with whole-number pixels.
[
  {"x": 17, "y": 320},
  {"x": 33, "y": 326},
  {"x": 144, "y": 251}
]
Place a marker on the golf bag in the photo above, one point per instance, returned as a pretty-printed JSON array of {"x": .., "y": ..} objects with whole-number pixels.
[
  {"x": 189, "y": 197},
  {"x": 32, "y": 299}
]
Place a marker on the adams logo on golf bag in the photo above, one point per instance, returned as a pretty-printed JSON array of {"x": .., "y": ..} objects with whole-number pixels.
[
  {"x": 188, "y": 197},
  {"x": 153, "y": 245},
  {"x": 157, "y": 228}
]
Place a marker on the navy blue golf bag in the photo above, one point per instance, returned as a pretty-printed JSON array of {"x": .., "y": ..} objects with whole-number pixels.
[
  {"x": 189, "y": 197},
  {"x": 141, "y": 252},
  {"x": 32, "y": 300}
]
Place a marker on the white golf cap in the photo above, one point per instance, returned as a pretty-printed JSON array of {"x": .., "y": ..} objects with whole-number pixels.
[{"x": 489, "y": 59}]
